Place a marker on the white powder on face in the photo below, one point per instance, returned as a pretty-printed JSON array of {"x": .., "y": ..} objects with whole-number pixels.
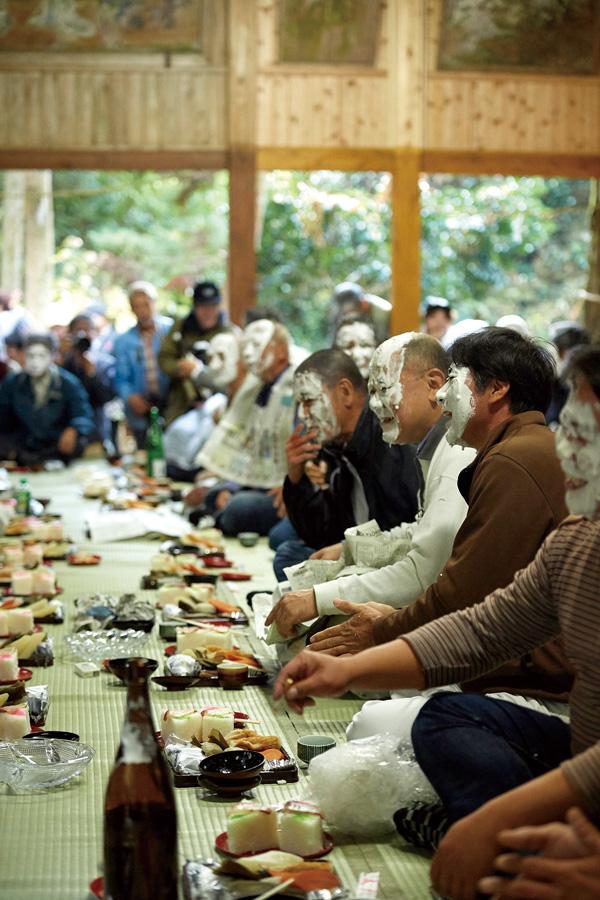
[
  {"x": 314, "y": 406},
  {"x": 254, "y": 342},
  {"x": 458, "y": 401},
  {"x": 385, "y": 389},
  {"x": 578, "y": 449},
  {"x": 358, "y": 341},
  {"x": 38, "y": 360},
  {"x": 223, "y": 357}
]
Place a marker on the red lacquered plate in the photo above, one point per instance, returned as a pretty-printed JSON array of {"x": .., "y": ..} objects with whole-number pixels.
[
  {"x": 97, "y": 888},
  {"x": 236, "y": 576},
  {"x": 216, "y": 562},
  {"x": 13, "y": 603},
  {"x": 83, "y": 559},
  {"x": 223, "y": 847},
  {"x": 24, "y": 675}
]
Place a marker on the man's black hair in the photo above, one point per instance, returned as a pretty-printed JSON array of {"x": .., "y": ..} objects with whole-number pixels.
[
  {"x": 81, "y": 317},
  {"x": 433, "y": 304},
  {"x": 46, "y": 340},
  {"x": 333, "y": 365},
  {"x": 261, "y": 312},
  {"x": 504, "y": 354},
  {"x": 570, "y": 336},
  {"x": 586, "y": 362}
]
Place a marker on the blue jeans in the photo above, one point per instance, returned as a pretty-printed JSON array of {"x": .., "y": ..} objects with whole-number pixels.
[
  {"x": 289, "y": 553},
  {"x": 474, "y": 748},
  {"x": 248, "y": 511},
  {"x": 283, "y": 531}
]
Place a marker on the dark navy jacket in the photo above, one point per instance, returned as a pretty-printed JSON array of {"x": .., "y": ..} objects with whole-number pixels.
[
  {"x": 389, "y": 474},
  {"x": 35, "y": 428}
]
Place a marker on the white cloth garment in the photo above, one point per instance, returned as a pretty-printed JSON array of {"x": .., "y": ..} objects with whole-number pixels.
[
  {"x": 185, "y": 437},
  {"x": 429, "y": 540}
]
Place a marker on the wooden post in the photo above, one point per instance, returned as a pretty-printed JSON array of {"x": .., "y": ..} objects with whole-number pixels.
[
  {"x": 13, "y": 231},
  {"x": 406, "y": 237},
  {"x": 592, "y": 303},
  {"x": 39, "y": 241},
  {"x": 242, "y": 37}
]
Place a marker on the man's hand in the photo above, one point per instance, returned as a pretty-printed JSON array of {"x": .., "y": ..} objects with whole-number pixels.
[
  {"x": 354, "y": 635},
  {"x": 277, "y": 494},
  {"x": 300, "y": 447},
  {"x": 568, "y": 864},
  {"x": 87, "y": 364},
  {"x": 465, "y": 854},
  {"x": 316, "y": 472},
  {"x": 334, "y": 551},
  {"x": 138, "y": 404},
  {"x": 186, "y": 367},
  {"x": 67, "y": 441},
  {"x": 293, "y": 608},
  {"x": 309, "y": 675}
]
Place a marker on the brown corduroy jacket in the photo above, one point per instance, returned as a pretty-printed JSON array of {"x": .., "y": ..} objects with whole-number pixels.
[{"x": 515, "y": 491}]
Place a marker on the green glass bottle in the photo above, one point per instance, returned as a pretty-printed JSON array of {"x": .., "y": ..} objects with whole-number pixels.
[
  {"x": 156, "y": 464},
  {"x": 23, "y": 498}
]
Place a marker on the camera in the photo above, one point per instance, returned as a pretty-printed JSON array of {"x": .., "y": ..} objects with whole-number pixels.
[
  {"x": 200, "y": 351},
  {"x": 82, "y": 342}
]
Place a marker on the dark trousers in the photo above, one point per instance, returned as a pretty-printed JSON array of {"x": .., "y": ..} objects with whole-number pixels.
[
  {"x": 474, "y": 748},
  {"x": 248, "y": 510}
]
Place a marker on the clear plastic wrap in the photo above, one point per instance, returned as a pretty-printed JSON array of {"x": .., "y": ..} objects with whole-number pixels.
[
  {"x": 361, "y": 784},
  {"x": 38, "y": 701},
  {"x": 180, "y": 664}
]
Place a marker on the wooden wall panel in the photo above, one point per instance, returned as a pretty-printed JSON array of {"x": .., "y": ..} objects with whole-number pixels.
[
  {"x": 528, "y": 114},
  {"x": 152, "y": 102},
  {"x": 174, "y": 109}
]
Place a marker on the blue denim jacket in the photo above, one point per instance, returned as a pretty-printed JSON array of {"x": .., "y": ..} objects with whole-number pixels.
[
  {"x": 130, "y": 371},
  {"x": 66, "y": 405}
]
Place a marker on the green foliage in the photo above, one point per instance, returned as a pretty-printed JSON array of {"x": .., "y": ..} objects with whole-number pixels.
[
  {"x": 490, "y": 245},
  {"x": 321, "y": 228},
  {"x": 168, "y": 228},
  {"x": 498, "y": 245}
]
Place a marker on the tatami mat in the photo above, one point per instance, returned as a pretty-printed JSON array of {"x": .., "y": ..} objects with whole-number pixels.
[{"x": 51, "y": 843}]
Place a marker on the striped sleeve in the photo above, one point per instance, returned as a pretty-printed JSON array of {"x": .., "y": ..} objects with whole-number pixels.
[
  {"x": 583, "y": 774},
  {"x": 507, "y": 624}
]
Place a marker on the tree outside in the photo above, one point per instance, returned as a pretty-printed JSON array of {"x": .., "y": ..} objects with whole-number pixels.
[{"x": 491, "y": 245}]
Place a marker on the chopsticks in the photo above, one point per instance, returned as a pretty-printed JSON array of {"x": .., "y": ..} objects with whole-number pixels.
[{"x": 275, "y": 890}]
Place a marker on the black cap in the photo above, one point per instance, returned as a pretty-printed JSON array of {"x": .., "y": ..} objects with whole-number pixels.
[{"x": 206, "y": 292}]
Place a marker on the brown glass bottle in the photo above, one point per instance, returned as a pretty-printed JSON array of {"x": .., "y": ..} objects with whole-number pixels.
[{"x": 140, "y": 827}]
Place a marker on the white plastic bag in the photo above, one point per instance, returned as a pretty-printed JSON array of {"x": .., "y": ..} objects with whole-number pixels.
[{"x": 360, "y": 785}]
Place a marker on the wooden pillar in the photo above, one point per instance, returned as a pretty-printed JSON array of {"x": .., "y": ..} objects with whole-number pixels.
[
  {"x": 39, "y": 241},
  {"x": 13, "y": 231},
  {"x": 242, "y": 40},
  {"x": 406, "y": 237},
  {"x": 592, "y": 303}
]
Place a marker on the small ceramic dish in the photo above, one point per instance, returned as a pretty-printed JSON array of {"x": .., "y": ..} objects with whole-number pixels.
[{"x": 118, "y": 666}]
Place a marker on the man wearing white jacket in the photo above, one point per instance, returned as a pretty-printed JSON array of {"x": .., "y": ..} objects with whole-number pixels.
[{"x": 405, "y": 374}]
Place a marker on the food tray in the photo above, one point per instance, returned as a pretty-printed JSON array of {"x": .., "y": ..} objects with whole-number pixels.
[
  {"x": 273, "y": 772},
  {"x": 210, "y": 678}
]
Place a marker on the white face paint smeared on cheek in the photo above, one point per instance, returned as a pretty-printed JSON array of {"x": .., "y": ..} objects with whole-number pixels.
[
  {"x": 223, "y": 357},
  {"x": 254, "y": 343},
  {"x": 385, "y": 389},
  {"x": 578, "y": 449},
  {"x": 458, "y": 402},
  {"x": 315, "y": 407},
  {"x": 38, "y": 360},
  {"x": 357, "y": 339}
]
